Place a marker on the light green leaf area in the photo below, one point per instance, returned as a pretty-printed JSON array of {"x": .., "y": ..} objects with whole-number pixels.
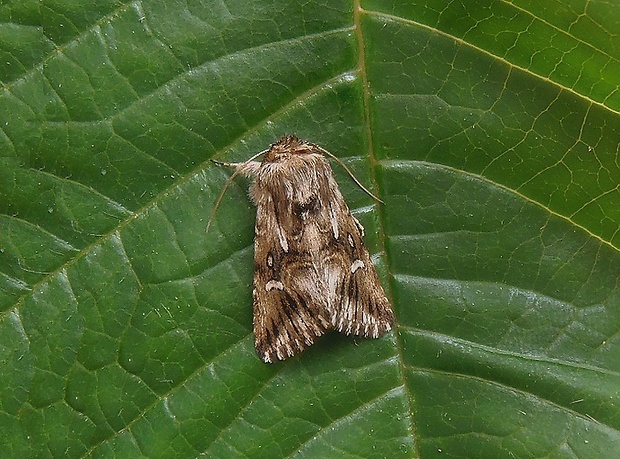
[{"x": 490, "y": 131}]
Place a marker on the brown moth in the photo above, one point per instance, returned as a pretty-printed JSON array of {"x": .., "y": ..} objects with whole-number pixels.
[{"x": 312, "y": 271}]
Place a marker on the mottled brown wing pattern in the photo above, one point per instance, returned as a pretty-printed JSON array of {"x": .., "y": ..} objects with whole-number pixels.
[
  {"x": 359, "y": 305},
  {"x": 289, "y": 312},
  {"x": 313, "y": 272}
]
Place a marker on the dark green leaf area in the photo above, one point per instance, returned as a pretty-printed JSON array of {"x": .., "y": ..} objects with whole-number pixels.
[
  {"x": 471, "y": 304},
  {"x": 553, "y": 40},
  {"x": 489, "y": 131},
  {"x": 508, "y": 126},
  {"x": 548, "y": 288},
  {"x": 482, "y": 419}
]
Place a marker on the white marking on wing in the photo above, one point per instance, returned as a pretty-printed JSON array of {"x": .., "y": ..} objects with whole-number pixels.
[
  {"x": 274, "y": 284},
  {"x": 357, "y": 264}
]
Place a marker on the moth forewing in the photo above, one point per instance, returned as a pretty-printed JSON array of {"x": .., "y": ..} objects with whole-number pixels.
[{"x": 313, "y": 272}]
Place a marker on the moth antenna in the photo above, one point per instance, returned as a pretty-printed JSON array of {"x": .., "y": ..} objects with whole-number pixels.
[
  {"x": 228, "y": 182},
  {"x": 344, "y": 166}
]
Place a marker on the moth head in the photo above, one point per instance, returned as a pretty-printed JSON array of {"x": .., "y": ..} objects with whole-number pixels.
[
  {"x": 292, "y": 147},
  {"x": 287, "y": 146}
]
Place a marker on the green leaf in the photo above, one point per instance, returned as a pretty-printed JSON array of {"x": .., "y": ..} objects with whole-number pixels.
[{"x": 489, "y": 129}]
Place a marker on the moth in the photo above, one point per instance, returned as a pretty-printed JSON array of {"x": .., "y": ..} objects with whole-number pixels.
[{"x": 312, "y": 271}]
